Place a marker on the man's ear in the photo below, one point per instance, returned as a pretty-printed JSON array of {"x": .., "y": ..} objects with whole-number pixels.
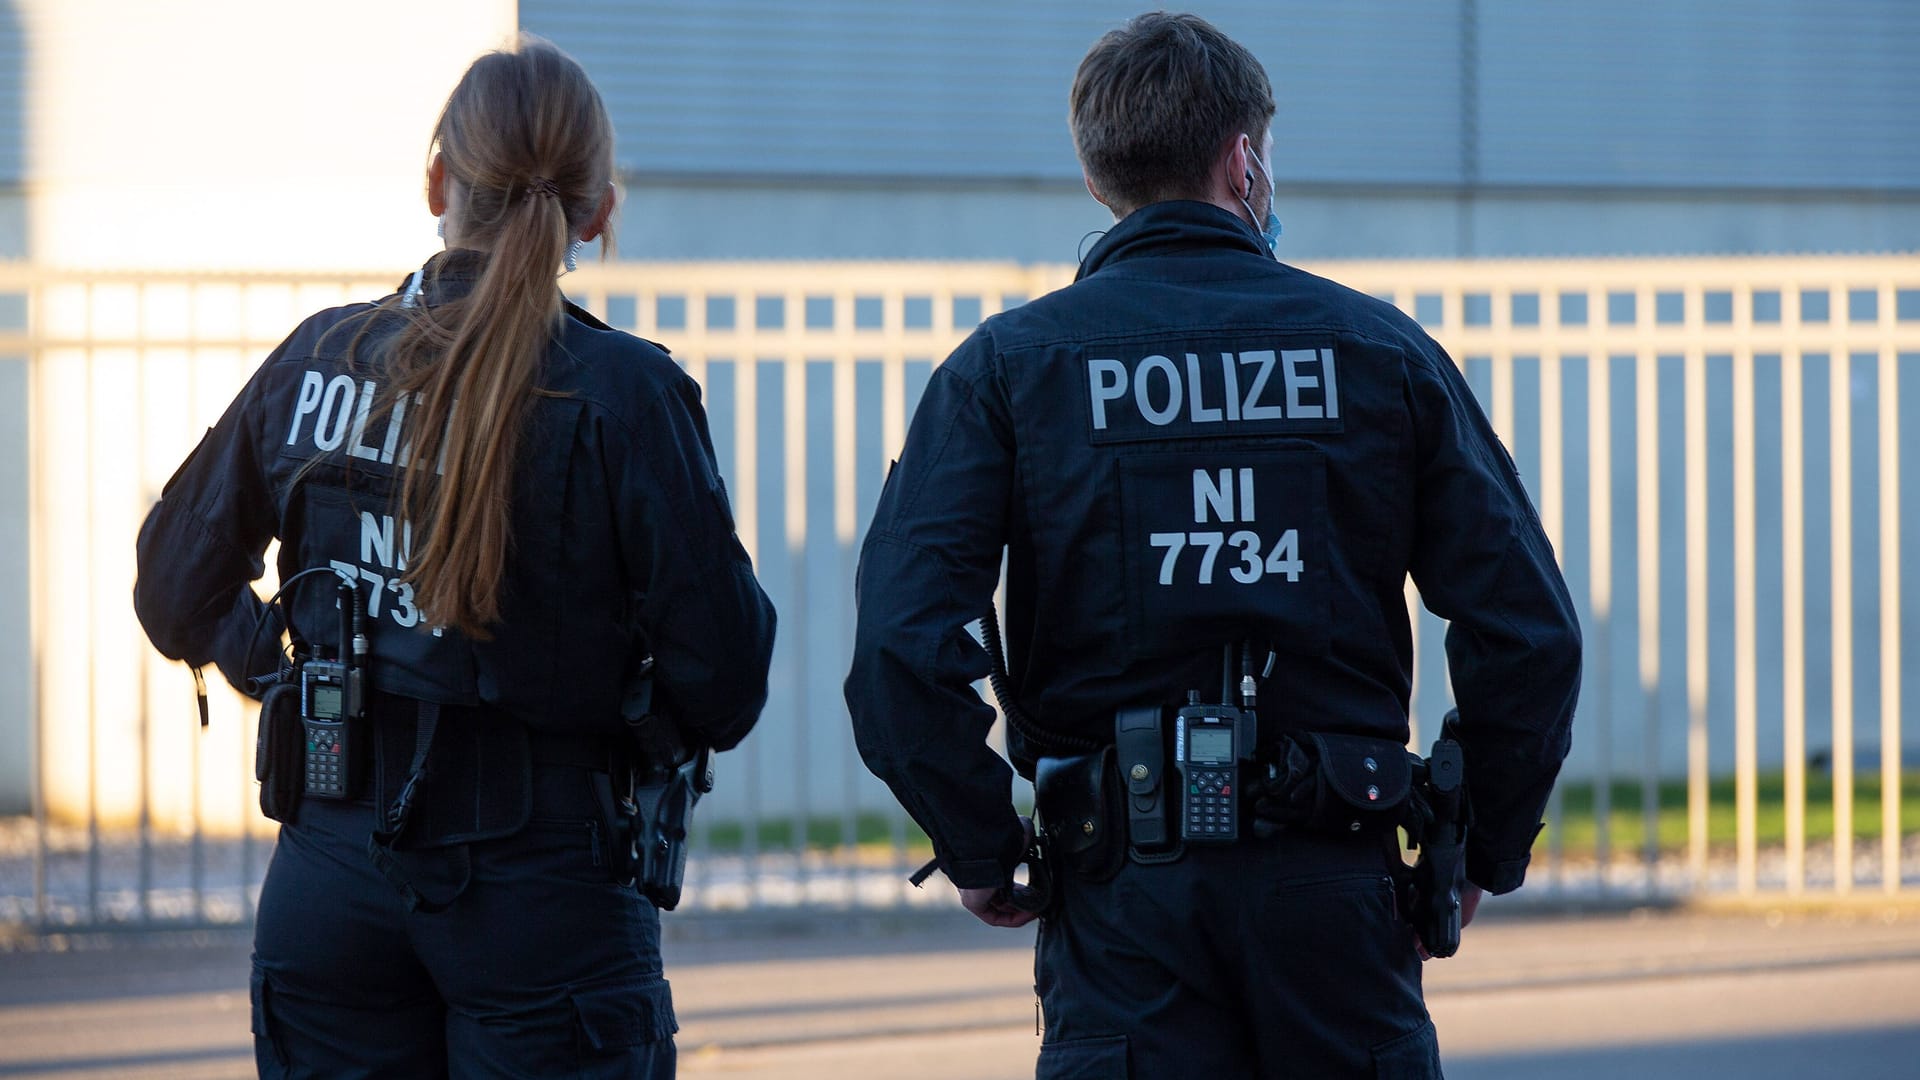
[
  {"x": 598, "y": 223},
  {"x": 1240, "y": 168},
  {"x": 437, "y": 185}
]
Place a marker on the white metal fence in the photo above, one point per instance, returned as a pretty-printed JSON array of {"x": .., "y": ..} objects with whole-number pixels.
[{"x": 1715, "y": 446}]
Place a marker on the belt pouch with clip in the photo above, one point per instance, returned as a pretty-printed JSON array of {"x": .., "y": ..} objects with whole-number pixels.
[
  {"x": 1338, "y": 783},
  {"x": 278, "y": 753},
  {"x": 1140, "y": 755},
  {"x": 1078, "y": 803}
]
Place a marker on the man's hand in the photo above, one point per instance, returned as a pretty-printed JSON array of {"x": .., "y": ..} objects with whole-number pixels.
[
  {"x": 1470, "y": 895},
  {"x": 995, "y": 906}
]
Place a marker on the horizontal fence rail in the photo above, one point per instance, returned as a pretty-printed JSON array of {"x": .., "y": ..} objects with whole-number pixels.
[{"x": 1715, "y": 447}]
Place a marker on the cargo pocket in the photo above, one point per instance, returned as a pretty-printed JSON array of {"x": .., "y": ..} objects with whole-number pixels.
[
  {"x": 1104, "y": 1058},
  {"x": 1413, "y": 1056},
  {"x": 266, "y": 1041},
  {"x": 615, "y": 1018}
]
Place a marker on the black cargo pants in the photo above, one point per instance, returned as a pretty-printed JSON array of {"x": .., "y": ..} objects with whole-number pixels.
[
  {"x": 541, "y": 967},
  {"x": 1271, "y": 959}
]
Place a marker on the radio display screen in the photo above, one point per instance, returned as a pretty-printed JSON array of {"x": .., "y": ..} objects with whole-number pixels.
[
  {"x": 325, "y": 702},
  {"x": 1210, "y": 746}
]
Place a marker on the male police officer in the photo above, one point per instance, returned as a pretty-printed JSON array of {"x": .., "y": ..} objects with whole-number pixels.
[{"x": 1194, "y": 453}]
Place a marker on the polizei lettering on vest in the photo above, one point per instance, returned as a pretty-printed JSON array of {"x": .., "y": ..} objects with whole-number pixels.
[
  {"x": 1213, "y": 393},
  {"x": 331, "y": 413}
]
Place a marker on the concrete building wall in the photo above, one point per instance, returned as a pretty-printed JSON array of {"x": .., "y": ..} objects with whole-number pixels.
[{"x": 866, "y": 129}]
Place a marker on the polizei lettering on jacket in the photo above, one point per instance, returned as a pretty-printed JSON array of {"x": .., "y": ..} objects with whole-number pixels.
[
  {"x": 1214, "y": 392},
  {"x": 335, "y": 414}
]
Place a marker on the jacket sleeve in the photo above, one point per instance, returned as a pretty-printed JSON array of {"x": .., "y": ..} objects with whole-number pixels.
[
  {"x": 1483, "y": 563},
  {"x": 201, "y": 549},
  {"x": 928, "y": 568},
  {"x": 706, "y": 619}
]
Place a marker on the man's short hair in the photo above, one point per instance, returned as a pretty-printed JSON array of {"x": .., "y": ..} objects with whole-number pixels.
[{"x": 1155, "y": 100}]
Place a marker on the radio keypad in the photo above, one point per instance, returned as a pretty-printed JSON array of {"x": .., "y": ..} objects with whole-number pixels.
[
  {"x": 1210, "y": 804},
  {"x": 325, "y": 765}
]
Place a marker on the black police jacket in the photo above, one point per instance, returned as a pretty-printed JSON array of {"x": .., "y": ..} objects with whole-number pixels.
[
  {"x": 1192, "y": 445},
  {"x": 623, "y": 541}
]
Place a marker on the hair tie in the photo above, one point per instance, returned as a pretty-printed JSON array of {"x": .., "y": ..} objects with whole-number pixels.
[{"x": 540, "y": 185}]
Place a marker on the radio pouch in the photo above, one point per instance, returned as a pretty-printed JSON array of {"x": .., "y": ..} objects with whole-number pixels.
[
  {"x": 1338, "y": 783},
  {"x": 278, "y": 757},
  {"x": 1140, "y": 755},
  {"x": 1078, "y": 804}
]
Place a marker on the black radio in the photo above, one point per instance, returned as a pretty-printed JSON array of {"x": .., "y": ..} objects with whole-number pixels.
[
  {"x": 331, "y": 695},
  {"x": 1208, "y": 743},
  {"x": 326, "y": 687}
]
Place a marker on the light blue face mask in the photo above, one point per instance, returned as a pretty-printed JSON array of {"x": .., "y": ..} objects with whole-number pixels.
[{"x": 1270, "y": 232}]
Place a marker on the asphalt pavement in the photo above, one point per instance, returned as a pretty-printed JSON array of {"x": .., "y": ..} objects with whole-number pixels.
[{"x": 934, "y": 996}]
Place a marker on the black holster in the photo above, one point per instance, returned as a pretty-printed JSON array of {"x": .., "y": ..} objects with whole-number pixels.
[
  {"x": 651, "y": 815},
  {"x": 1434, "y": 907}
]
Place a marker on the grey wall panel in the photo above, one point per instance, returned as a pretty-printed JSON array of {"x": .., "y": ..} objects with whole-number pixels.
[
  {"x": 1701, "y": 93},
  {"x": 13, "y": 97},
  {"x": 1774, "y": 94},
  {"x": 978, "y": 90}
]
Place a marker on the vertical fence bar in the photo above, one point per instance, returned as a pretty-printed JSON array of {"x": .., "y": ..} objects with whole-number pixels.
[
  {"x": 1416, "y": 693},
  {"x": 1745, "y": 675},
  {"x": 1890, "y": 610},
  {"x": 700, "y": 839},
  {"x": 197, "y": 860},
  {"x": 746, "y": 464},
  {"x": 1696, "y": 488},
  {"x": 845, "y": 525},
  {"x": 1646, "y": 389},
  {"x": 1600, "y": 571},
  {"x": 1840, "y": 406},
  {"x": 893, "y": 433},
  {"x": 794, "y": 431},
  {"x": 37, "y": 548},
  {"x": 893, "y": 407},
  {"x": 1793, "y": 612},
  {"x": 93, "y": 651},
  {"x": 244, "y": 819},
  {"x": 1553, "y": 479},
  {"x": 1501, "y": 369},
  {"x": 141, "y": 654}
]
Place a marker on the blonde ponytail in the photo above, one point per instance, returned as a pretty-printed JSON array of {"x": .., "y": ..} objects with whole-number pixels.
[{"x": 527, "y": 136}]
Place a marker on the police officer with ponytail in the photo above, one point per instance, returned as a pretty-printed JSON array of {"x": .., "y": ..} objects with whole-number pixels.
[
  {"x": 1210, "y": 475},
  {"x": 517, "y": 610}
]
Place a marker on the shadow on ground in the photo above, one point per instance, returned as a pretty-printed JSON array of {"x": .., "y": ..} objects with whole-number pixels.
[{"x": 1883, "y": 1053}]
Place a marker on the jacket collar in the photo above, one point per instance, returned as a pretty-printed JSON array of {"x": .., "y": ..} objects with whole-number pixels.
[
  {"x": 449, "y": 275},
  {"x": 1171, "y": 228}
]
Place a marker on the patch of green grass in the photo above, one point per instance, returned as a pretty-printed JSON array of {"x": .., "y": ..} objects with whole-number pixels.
[
  {"x": 869, "y": 829},
  {"x": 1626, "y": 824}
]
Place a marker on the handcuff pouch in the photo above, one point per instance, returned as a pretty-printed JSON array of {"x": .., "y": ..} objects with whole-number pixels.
[
  {"x": 278, "y": 753},
  {"x": 1077, "y": 801}
]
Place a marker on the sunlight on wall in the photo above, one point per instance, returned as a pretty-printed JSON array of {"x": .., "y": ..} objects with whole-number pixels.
[
  {"x": 234, "y": 134},
  {"x": 208, "y": 135}
]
